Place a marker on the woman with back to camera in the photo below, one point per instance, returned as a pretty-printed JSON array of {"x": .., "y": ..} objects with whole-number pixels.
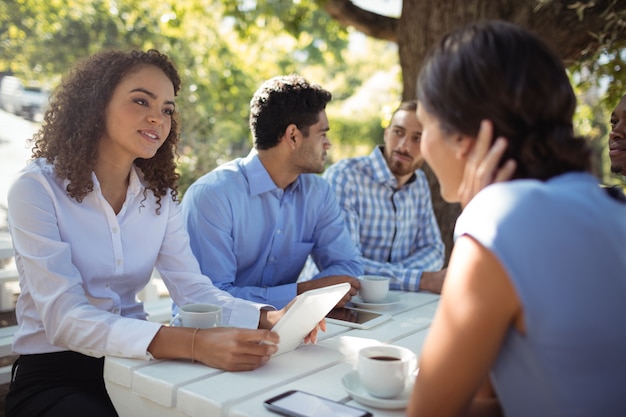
[
  {"x": 533, "y": 301},
  {"x": 90, "y": 217}
]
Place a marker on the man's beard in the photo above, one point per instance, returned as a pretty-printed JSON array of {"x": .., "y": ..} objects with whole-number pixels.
[
  {"x": 400, "y": 169},
  {"x": 618, "y": 169}
]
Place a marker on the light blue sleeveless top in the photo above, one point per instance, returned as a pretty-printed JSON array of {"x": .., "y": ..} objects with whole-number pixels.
[{"x": 563, "y": 245}]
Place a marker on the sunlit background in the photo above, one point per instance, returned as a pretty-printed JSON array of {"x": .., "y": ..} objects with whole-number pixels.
[{"x": 225, "y": 49}]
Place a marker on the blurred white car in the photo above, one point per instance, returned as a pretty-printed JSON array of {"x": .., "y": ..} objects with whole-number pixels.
[
  {"x": 34, "y": 103},
  {"x": 11, "y": 93},
  {"x": 16, "y": 98}
]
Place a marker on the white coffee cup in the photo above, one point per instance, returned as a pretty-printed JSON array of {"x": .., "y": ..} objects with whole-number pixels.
[
  {"x": 374, "y": 288},
  {"x": 384, "y": 370},
  {"x": 200, "y": 316}
]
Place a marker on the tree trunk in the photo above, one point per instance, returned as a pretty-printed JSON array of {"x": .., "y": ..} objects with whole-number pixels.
[{"x": 418, "y": 28}]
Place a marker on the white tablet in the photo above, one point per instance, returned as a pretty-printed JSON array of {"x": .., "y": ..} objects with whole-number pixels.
[
  {"x": 355, "y": 317},
  {"x": 306, "y": 312}
]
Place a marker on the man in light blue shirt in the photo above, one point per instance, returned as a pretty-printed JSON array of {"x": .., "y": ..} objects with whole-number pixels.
[
  {"x": 387, "y": 207},
  {"x": 253, "y": 221}
]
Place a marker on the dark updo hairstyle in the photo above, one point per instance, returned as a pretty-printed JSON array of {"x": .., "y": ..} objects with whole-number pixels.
[
  {"x": 281, "y": 101},
  {"x": 75, "y": 120},
  {"x": 498, "y": 71}
]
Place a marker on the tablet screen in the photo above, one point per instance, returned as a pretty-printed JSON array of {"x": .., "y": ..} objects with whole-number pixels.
[{"x": 352, "y": 315}]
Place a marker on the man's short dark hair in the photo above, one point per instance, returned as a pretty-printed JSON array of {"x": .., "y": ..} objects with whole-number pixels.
[{"x": 281, "y": 101}]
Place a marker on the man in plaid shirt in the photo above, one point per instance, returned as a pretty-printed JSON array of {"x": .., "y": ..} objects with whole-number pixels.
[{"x": 387, "y": 208}]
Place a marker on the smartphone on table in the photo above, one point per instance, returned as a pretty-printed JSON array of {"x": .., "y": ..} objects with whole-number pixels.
[{"x": 296, "y": 403}]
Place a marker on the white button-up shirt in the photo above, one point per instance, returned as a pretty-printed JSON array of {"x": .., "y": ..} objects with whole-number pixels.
[{"x": 81, "y": 265}]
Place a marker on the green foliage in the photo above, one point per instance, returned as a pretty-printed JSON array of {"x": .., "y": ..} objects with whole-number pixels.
[
  {"x": 223, "y": 49},
  {"x": 43, "y": 38},
  {"x": 599, "y": 83},
  {"x": 606, "y": 71},
  {"x": 320, "y": 38},
  {"x": 352, "y": 132}
]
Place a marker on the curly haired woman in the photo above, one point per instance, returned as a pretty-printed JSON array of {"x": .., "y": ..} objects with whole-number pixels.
[{"x": 91, "y": 216}]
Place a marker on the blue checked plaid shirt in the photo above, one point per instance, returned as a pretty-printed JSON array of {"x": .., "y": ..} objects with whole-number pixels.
[{"x": 395, "y": 230}]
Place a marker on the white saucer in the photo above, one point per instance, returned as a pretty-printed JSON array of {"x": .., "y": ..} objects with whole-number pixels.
[
  {"x": 353, "y": 386},
  {"x": 389, "y": 301}
]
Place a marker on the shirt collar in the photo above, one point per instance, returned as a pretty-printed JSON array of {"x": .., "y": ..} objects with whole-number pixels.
[
  {"x": 259, "y": 179},
  {"x": 135, "y": 181}
]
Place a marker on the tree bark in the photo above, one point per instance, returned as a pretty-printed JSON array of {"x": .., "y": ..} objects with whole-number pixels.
[{"x": 574, "y": 29}]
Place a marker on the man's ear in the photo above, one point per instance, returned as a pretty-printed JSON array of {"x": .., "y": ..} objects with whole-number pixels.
[{"x": 290, "y": 134}]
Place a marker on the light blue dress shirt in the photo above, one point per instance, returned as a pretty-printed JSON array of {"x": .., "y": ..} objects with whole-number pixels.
[{"x": 252, "y": 238}]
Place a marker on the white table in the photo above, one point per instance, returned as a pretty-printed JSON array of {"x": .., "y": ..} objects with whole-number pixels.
[{"x": 180, "y": 388}]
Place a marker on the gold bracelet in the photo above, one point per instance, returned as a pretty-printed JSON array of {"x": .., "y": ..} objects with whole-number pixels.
[{"x": 193, "y": 344}]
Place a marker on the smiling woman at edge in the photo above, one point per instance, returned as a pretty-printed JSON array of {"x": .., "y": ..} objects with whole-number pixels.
[
  {"x": 90, "y": 217},
  {"x": 533, "y": 301}
]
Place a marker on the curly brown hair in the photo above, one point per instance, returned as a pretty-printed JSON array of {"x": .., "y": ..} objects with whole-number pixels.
[{"x": 75, "y": 120}]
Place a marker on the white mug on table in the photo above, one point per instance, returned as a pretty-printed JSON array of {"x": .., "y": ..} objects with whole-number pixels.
[
  {"x": 199, "y": 316},
  {"x": 384, "y": 370},
  {"x": 374, "y": 288}
]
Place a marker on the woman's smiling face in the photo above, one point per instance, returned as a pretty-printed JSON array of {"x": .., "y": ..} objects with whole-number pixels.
[{"x": 139, "y": 115}]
